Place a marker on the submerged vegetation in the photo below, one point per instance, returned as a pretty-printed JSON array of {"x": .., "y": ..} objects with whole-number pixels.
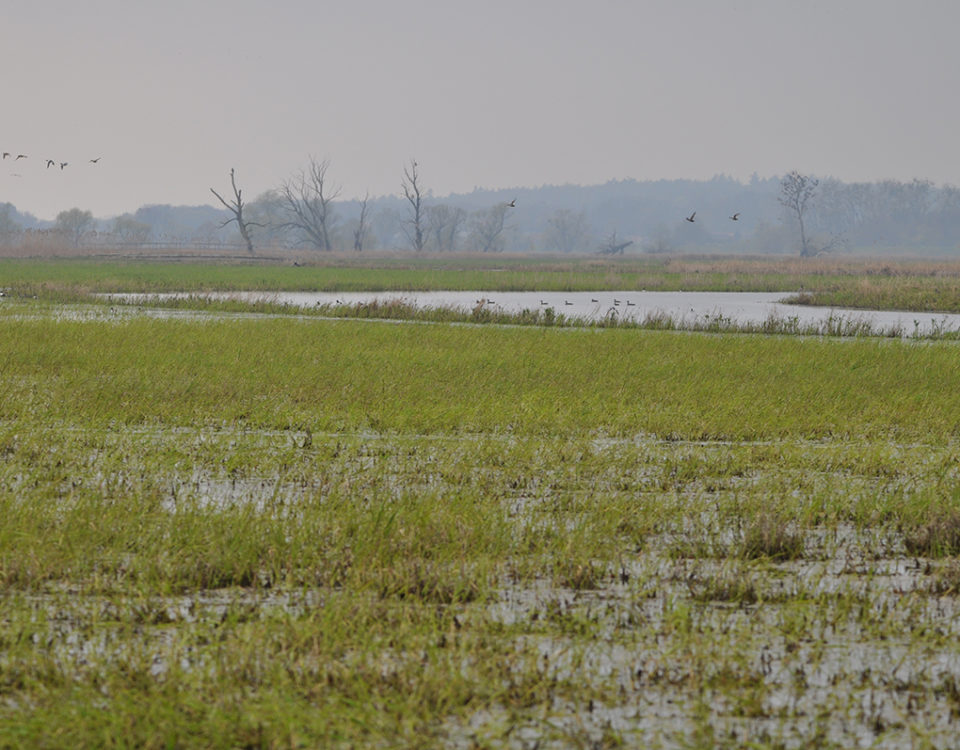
[{"x": 280, "y": 530}]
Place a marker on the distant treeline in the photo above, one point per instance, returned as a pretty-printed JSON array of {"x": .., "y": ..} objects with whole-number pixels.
[{"x": 620, "y": 216}]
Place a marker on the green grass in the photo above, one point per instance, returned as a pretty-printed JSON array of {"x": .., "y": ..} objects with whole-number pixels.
[
  {"x": 264, "y": 532},
  {"x": 426, "y": 378},
  {"x": 345, "y": 274},
  {"x": 863, "y": 283}
]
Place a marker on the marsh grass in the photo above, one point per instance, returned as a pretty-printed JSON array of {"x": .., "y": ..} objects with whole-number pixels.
[
  {"x": 935, "y": 535},
  {"x": 770, "y": 535},
  {"x": 329, "y": 376},
  {"x": 733, "y": 585},
  {"x": 946, "y": 579},
  {"x": 272, "y": 532},
  {"x": 398, "y": 309},
  {"x": 861, "y": 283}
]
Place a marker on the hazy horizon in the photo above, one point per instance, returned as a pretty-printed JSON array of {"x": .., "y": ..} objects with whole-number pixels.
[{"x": 503, "y": 95}]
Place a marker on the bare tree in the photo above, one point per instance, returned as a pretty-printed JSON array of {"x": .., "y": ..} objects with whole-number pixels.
[
  {"x": 796, "y": 192},
  {"x": 487, "y": 228},
  {"x": 236, "y": 208},
  {"x": 308, "y": 199},
  {"x": 443, "y": 226},
  {"x": 360, "y": 231},
  {"x": 413, "y": 192}
]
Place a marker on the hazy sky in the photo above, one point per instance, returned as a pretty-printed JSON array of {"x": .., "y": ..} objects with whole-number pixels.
[{"x": 487, "y": 93}]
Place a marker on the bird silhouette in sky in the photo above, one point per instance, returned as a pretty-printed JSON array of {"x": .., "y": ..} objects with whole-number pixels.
[
  {"x": 6, "y": 154},
  {"x": 63, "y": 164},
  {"x": 735, "y": 217},
  {"x": 690, "y": 217},
  {"x": 21, "y": 156},
  {"x": 50, "y": 163},
  {"x": 94, "y": 161},
  {"x": 512, "y": 204}
]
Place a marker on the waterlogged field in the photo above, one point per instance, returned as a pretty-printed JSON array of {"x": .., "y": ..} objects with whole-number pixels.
[{"x": 268, "y": 531}]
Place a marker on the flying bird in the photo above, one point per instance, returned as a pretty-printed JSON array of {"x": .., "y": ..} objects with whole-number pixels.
[
  {"x": 690, "y": 217},
  {"x": 21, "y": 156},
  {"x": 94, "y": 161},
  {"x": 6, "y": 154},
  {"x": 50, "y": 163},
  {"x": 63, "y": 164},
  {"x": 512, "y": 204},
  {"x": 735, "y": 217}
]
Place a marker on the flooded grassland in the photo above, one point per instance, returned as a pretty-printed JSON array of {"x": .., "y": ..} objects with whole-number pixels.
[{"x": 271, "y": 532}]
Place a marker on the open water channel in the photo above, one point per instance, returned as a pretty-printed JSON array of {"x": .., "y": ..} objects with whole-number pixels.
[{"x": 686, "y": 308}]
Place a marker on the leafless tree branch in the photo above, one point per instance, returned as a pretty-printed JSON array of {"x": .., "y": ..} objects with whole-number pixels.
[
  {"x": 236, "y": 208},
  {"x": 308, "y": 201},
  {"x": 414, "y": 195}
]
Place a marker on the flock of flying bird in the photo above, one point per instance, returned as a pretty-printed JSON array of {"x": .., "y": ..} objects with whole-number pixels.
[
  {"x": 735, "y": 217},
  {"x": 50, "y": 162}
]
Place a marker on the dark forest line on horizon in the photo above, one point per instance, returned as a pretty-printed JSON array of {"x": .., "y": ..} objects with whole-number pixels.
[{"x": 619, "y": 216}]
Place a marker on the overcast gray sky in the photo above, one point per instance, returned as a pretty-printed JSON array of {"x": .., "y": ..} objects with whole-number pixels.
[{"x": 487, "y": 93}]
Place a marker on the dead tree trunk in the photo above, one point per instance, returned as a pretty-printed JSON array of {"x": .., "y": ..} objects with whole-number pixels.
[
  {"x": 796, "y": 191},
  {"x": 360, "y": 232},
  {"x": 236, "y": 208},
  {"x": 414, "y": 195}
]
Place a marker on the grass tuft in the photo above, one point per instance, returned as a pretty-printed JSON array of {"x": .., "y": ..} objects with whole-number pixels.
[
  {"x": 769, "y": 535},
  {"x": 937, "y": 536}
]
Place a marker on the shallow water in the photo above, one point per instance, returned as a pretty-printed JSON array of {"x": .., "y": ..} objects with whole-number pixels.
[{"x": 745, "y": 308}]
